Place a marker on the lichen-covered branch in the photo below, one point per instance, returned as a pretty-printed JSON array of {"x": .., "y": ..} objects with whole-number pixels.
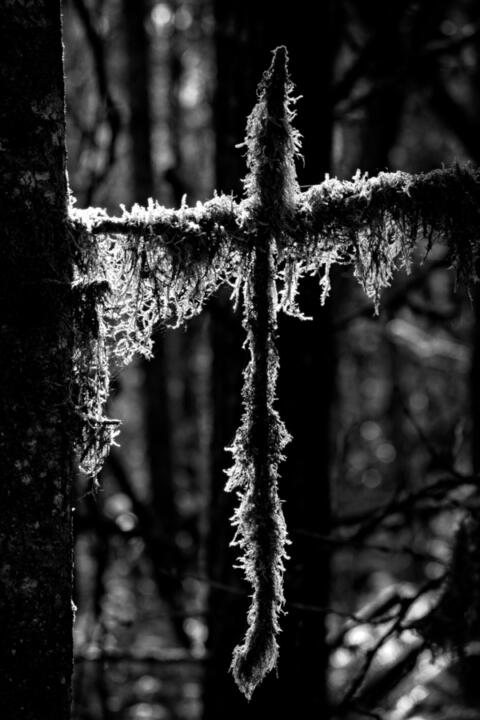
[
  {"x": 257, "y": 451},
  {"x": 149, "y": 266},
  {"x": 374, "y": 223},
  {"x": 371, "y": 223}
]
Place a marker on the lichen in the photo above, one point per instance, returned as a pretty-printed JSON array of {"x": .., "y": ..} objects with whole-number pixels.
[
  {"x": 257, "y": 450},
  {"x": 150, "y": 266},
  {"x": 153, "y": 265},
  {"x": 374, "y": 223}
]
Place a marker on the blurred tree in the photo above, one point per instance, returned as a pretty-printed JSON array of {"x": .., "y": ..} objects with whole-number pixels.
[
  {"x": 98, "y": 136},
  {"x": 137, "y": 54},
  {"x": 161, "y": 523},
  {"x": 36, "y": 417}
]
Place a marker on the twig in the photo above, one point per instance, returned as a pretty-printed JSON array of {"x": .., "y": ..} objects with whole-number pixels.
[
  {"x": 395, "y": 628},
  {"x": 375, "y": 547},
  {"x": 372, "y": 517},
  {"x": 378, "y": 687}
]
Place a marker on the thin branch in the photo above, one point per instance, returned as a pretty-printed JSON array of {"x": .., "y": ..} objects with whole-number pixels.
[
  {"x": 396, "y": 627},
  {"x": 374, "y": 547},
  {"x": 374, "y": 516},
  {"x": 163, "y": 656},
  {"x": 376, "y": 612},
  {"x": 388, "y": 678}
]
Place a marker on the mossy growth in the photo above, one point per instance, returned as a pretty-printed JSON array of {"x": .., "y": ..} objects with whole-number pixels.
[
  {"x": 261, "y": 533},
  {"x": 155, "y": 266}
]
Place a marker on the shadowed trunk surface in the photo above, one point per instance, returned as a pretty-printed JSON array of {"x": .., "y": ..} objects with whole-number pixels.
[{"x": 36, "y": 422}]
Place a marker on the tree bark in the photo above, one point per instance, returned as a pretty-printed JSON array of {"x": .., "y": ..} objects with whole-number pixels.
[{"x": 36, "y": 420}]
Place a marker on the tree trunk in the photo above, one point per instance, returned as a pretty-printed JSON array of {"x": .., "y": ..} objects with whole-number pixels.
[{"x": 36, "y": 423}]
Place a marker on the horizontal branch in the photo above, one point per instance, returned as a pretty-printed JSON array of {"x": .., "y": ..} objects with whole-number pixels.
[
  {"x": 204, "y": 221},
  {"x": 156, "y": 265},
  {"x": 373, "y": 223},
  {"x": 341, "y": 542},
  {"x": 429, "y": 201},
  {"x": 335, "y": 208},
  {"x": 438, "y": 491},
  {"x": 162, "y": 656}
]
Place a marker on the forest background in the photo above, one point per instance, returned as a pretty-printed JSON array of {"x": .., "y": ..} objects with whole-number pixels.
[{"x": 383, "y": 409}]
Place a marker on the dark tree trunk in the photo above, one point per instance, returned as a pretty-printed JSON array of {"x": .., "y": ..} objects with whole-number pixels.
[
  {"x": 36, "y": 423},
  {"x": 244, "y": 38}
]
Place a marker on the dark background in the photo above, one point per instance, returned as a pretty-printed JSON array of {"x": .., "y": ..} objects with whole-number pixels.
[{"x": 383, "y": 409}]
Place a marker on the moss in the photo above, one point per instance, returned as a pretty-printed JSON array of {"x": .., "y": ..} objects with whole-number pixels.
[
  {"x": 153, "y": 265},
  {"x": 374, "y": 223},
  {"x": 261, "y": 532},
  {"x": 257, "y": 450}
]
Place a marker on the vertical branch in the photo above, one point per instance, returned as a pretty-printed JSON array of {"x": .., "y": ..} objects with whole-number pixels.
[
  {"x": 258, "y": 446},
  {"x": 261, "y": 532}
]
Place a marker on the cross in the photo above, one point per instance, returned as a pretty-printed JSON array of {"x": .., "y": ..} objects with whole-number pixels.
[
  {"x": 156, "y": 265},
  {"x": 79, "y": 290}
]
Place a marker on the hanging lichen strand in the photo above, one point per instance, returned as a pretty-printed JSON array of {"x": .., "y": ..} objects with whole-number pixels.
[
  {"x": 258, "y": 446},
  {"x": 153, "y": 265}
]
